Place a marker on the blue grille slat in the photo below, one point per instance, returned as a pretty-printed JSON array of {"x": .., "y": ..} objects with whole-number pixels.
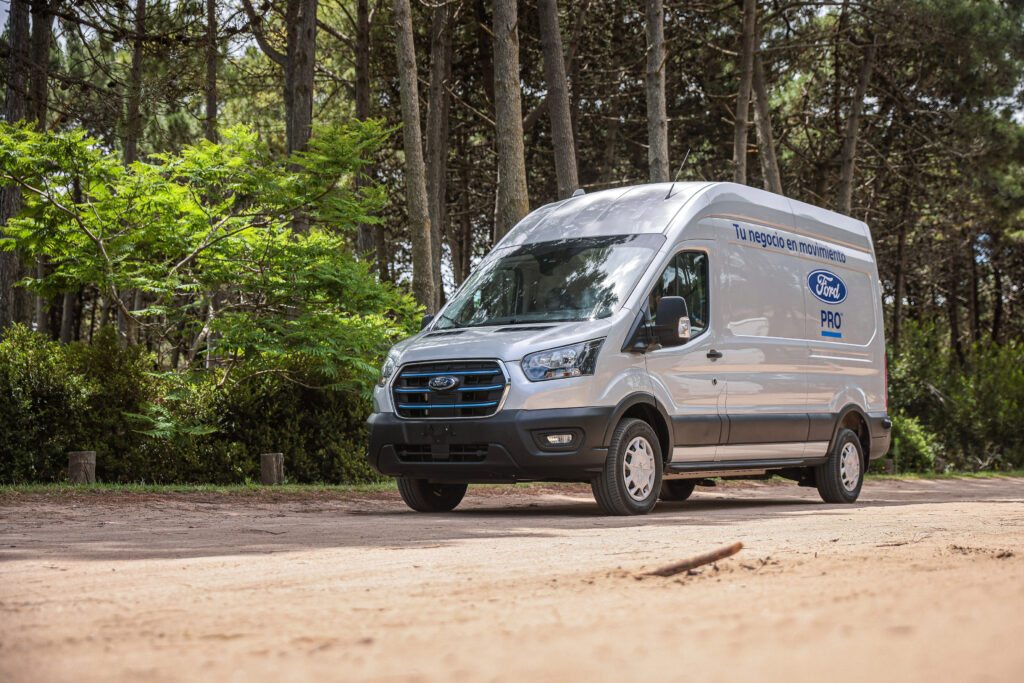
[
  {"x": 435, "y": 374},
  {"x": 421, "y": 406}
]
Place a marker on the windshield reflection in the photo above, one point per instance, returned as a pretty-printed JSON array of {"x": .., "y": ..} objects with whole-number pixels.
[{"x": 558, "y": 281}]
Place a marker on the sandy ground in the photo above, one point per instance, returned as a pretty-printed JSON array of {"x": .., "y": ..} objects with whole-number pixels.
[{"x": 921, "y": 580}]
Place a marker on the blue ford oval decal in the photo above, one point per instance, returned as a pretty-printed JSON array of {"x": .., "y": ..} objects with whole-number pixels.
[
  {"x": 827, "y": 287},
  {"x": 443, "y": 382}
]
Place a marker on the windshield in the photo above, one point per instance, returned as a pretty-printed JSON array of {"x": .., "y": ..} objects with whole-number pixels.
[{"x": 563, "y": 280}]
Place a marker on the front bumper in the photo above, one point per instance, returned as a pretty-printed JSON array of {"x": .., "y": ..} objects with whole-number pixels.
[{"x": 507, "y": 446}]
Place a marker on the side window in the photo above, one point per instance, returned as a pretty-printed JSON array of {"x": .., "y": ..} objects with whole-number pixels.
[{"x": 686, "y": 276}]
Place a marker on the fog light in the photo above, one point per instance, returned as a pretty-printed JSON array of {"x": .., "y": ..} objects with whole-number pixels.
[{"x": 559, "y": 439}]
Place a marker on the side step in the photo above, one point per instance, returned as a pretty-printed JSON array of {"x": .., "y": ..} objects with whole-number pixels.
[{"x": 732, "y": 468}]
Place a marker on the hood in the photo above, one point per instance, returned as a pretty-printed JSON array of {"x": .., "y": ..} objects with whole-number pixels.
[{"x": 504, "y": 342}]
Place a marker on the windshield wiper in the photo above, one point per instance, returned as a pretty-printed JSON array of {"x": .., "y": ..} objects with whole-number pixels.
[{"x": 454, "y": 322}]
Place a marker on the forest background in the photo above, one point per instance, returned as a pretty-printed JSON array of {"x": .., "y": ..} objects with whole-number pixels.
[{"x": 217, "y": 215}]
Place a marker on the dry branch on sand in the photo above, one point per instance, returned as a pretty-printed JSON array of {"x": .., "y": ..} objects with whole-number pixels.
[{"x": 697, "y": 561}]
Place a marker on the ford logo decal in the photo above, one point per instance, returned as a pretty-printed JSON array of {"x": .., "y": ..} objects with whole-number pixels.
[
  {"x": 443, "y": 382},
  {"x": 827, "y": 287}
]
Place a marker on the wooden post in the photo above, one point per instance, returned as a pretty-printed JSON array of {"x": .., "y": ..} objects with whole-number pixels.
[
  {"x": 272, "y": 469},
  {"x": 890, "y": 466},
  {"x": 82, "y": 467}
]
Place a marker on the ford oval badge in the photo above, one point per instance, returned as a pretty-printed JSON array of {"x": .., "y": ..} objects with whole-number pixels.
[
  {"x": 827, "y": 287},
  {"x": 443, "y": 382}
]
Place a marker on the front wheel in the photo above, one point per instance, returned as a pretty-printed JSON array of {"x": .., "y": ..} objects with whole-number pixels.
[
  {"x": 841, "y": 476},
  {"x": 424, "y": 496},
  {"x": 631, "y": 479}
]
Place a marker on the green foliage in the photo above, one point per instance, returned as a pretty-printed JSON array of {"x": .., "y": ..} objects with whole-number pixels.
[
  {"x": 207, "y": 239},
  {"x": 42, "y": 408},
  {"x": 973, "y": 409},
  {"x": 913, "y": 449},
  {"x": 166, "y": 428},
  {"x": 241, "y": 255}
]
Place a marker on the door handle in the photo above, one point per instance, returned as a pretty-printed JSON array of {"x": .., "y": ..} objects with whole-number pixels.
[{"x": 714, "y": 354}]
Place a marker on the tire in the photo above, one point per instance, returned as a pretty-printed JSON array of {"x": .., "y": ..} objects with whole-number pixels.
[
  {"x": 839, "y": 479},
  {"x": 631, "y": 479},
  {"x": 677, "y": 489},
  {"x": 423, "y": 496}
]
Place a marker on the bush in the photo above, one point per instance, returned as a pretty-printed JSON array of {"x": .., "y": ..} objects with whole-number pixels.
[
  {"x": 913, "y": 448},
  {"x": 166, "y": 429},
  {"x": 972, "y": 408},
  {"x": 42, "y": 408}
]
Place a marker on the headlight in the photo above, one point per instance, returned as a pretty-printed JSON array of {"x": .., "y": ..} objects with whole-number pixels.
[
  {"x": 389, "y": 369},
  {"x": 565, "y": 361}
]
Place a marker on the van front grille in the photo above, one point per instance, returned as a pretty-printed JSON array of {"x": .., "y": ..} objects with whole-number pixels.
[{"x": 469, "y": 389}]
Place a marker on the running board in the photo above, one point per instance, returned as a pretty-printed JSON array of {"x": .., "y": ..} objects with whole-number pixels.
[{"x": 738, "y": 467}]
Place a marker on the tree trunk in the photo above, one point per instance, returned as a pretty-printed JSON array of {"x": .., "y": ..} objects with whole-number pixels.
[
  {"x": 67, "y": 318},
  {"x": 657, "y": 116},
  {"x": 415, "y": 174},
  {"x": 558, "y": 99},
  {"x": 484, "y": 52},
  {"x": 975, "y": 303},
  {"x": 953, "y": 308},
  {"x": 39, "y": 58},
  {"x": 460, "y": 232},
  {"x": 298, "y": 62},
  {"x": 765, "y": 137},
  {"x": 212, "y": 60},
  {"x": 11, "y": 298},
  {"x": 897, "y": 304},
  {"x": 133, "y": 116},
  {"x": 300, "y": 17},
  {"x": 997, "y": 296},
  {"x": 849, "y": 153},
  {"x": 42, "y": 31},
  {"x": 513, "y": 201},
  {"x": 739, "y": 142},
  {"x": 365, "y": 237},
  {"x": 437, "y": 137}
]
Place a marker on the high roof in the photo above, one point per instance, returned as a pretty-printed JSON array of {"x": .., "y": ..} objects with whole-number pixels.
[
  {"x": 653, "y": 209},
  {"x": 619, "y": 211}
]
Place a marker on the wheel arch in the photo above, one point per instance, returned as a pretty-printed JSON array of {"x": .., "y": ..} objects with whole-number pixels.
[
  {"x": 853, "y": 418},
  {"x": 644, "y": 407}
]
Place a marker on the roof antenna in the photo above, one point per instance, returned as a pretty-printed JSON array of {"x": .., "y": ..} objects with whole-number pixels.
[{"x": 673, "y": 185}]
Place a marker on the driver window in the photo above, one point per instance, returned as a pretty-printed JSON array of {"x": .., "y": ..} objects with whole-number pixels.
[{"x": 686, "y": 276}]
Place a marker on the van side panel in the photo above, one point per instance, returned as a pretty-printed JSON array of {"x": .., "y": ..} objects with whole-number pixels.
[
  {"x": 844, "y": 335},
  {"x": 762, "y": 341}
]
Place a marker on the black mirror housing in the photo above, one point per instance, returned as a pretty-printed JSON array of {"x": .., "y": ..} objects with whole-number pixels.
[{"x": 427, "y": 319}]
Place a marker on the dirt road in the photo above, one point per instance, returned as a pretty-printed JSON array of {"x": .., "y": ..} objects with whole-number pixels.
[{"x": 921, "y": 580}]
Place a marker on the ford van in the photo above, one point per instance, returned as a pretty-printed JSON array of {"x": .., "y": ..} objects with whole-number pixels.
[{"x": 646, "y": 340}]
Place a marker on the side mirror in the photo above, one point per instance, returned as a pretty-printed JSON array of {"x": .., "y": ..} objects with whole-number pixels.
[
  {"x": 672, "y": 321},
  {"x": 426, "y": 321}
]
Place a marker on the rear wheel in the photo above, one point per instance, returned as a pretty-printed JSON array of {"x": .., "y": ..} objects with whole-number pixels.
[
  {"x": 840, "y": 478},
  {"x": 631, "y": 478},
  {"x": 424, "y": 496},
  {"x": 677, "y": 489}
]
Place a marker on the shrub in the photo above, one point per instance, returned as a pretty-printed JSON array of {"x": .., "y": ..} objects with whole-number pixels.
[
  {"x": 973, "y": 408},
  {"x": 171, "y": 428},
  {"x": 43, "y": 405},
  {"x": 913, "y": 448}
]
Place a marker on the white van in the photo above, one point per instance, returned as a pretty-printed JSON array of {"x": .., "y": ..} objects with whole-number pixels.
[{"x": 644, "y": 340}]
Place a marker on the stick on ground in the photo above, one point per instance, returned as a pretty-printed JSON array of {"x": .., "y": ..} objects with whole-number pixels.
[{"x": 696, "y": 561}]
